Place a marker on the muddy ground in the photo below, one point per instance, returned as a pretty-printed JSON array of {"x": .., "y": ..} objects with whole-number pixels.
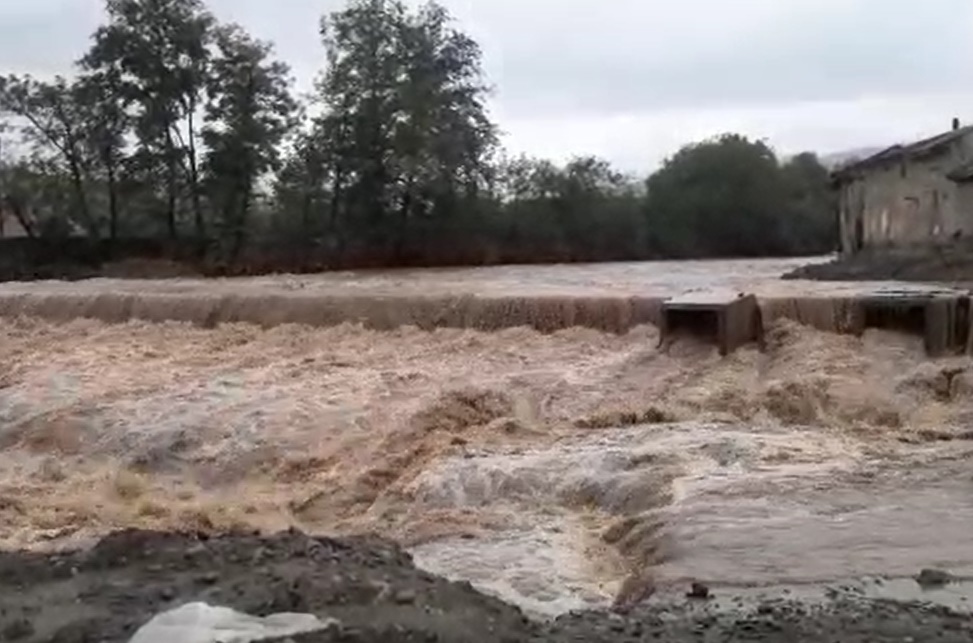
[
  {"x": 372, "y": 588},
  {"x": 953, "y": 265}
]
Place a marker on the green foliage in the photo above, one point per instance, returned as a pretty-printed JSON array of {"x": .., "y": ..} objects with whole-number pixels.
[
  {"x": 180, "y": 128},
  {"x": 249, "y": 113},
  {"x": 405, "y": 129},
  {"x": 54, "y": 114},
  {"x": 730, "y": 197},
  {"x": 811, "y": 218},
  {"x": 159, "y": 52}
]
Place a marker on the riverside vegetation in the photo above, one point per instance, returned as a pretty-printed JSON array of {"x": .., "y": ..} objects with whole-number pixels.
[{"x": 185, "y": 134}]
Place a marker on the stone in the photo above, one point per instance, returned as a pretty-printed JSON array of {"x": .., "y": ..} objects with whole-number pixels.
[
  {"x": 698, "y": 591},
  {"x": 209, "y": 578},
  {"x": 405, "y": 597},
  {"x": 928, "y": 578}
]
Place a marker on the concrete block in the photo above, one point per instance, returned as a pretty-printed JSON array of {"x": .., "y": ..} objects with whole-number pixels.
[{"x": 729, "y": 320}]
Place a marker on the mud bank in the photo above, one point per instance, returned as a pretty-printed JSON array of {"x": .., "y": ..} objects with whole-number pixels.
[
  {"x": 934, "y": 266},
  {"x": 374, "y": 591}
]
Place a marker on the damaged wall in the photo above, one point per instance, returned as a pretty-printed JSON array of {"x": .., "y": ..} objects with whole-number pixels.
[{"x": 906, "y": 200}]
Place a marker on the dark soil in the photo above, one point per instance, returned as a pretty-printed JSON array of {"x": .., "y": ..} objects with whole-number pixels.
[
  {"x": 940, "y": 266},
  {"x": 373, "y": 589}
]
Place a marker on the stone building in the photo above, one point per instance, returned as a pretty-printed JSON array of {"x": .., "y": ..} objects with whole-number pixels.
[{"x": 914, "y": 195}]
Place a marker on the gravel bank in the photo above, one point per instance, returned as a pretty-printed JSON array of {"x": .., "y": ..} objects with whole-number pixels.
[{"x": 373, "y": 589}]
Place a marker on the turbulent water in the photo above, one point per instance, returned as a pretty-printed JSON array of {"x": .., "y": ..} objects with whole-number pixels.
[
  {"x": 644, "y": 278},
  {"x": 559, "y": 471}
]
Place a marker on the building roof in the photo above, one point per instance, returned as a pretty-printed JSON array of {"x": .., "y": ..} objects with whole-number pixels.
[{"x": 896, "y": 153}]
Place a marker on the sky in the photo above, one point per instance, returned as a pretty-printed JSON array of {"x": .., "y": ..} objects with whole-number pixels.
[{"x": 633, "y": 80}]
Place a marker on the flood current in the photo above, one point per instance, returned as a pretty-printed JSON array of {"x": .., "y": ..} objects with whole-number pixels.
[{"x": 559, "y": 471}]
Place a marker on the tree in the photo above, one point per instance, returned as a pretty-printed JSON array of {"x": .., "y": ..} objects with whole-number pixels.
[
  {"x": 584, "y": 210},
  {"x": 812, "y": 221},
  {"x": 721, "y": 197},
  {"x": 106, "y": 124},
  {"x": 249, "y": 112},
  {"x": 159, "y": 50},
  {"x": 357, "y": 93},
  {"x": 54, "y": 121},
  {"x": 443, "y": 136},
  {"x": 404, "y": 119},
  {"x": 179, "y": 129},
  {"x": 302, "y": 195}
]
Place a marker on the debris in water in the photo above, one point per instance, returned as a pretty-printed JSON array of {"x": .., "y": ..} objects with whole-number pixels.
[
  {"x": 698, "y": 591},
  {"x": 931, "y": 578}
]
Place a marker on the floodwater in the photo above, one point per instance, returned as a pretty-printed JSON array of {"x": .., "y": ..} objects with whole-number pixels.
[
  {"x": 646, "y": 278},
  {"x": 559, "y": 471}
]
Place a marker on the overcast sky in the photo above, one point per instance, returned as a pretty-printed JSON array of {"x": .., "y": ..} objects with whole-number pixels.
[{"x": 632, "y": 80}]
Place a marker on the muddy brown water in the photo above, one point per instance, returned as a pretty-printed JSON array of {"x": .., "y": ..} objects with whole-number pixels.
[
  {"x": 552, "y": 470},
  {"x": 645, "y": 278}
]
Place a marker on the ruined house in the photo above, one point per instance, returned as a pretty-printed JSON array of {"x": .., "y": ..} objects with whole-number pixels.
[{"x": 909, "y": 196}]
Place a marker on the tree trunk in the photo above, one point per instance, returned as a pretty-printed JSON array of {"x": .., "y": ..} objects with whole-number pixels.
[
  {"x": 402, "y": 229},
  {"x": 77, "y": 179},
  {"x": 112, "y": 199},
  {"x": 194, "y": 180},
  {"x": 334, "y": 224},
  {"x": 307, "y": 239},
  {"x": 70, "y": 151},
  {"x": 239, "y": 234},
  {"x": 18, "y": 212},
  {"x": 171, "y": 179}
]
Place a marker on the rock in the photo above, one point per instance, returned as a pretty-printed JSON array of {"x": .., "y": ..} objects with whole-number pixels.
[
  {"x": 698, "y": 591},
  {"x": 405, "y": 597},
  {"x": 195, "y": 551},
  {"x": 928, "y": 578},
  {"x": 259, "y": 555},
  {"x": 208, "y": 578}
]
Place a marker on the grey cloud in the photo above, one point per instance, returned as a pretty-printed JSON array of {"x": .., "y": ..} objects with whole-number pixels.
[
  {"x": 621, "y": 55},
  {"x": 837, "y": 51},
  {"x": 586, "y": 62},
  {"x": 44, "y": 37}
]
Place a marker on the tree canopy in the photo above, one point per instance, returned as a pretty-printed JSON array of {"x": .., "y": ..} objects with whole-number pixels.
[{"x": 178, "y": 128}]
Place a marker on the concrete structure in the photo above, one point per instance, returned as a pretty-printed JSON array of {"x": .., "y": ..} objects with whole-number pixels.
[
  {"x": 913, "y": 195},
  {"x": 729, "y": 320}
]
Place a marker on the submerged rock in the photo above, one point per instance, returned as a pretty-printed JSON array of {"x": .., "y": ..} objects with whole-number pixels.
[{"x": 930, "y": 578}]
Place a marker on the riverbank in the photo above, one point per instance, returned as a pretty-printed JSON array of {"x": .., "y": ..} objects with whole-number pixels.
[
  {"x": 938, "y": 265},
  {"x": 374, "y": 592}
]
